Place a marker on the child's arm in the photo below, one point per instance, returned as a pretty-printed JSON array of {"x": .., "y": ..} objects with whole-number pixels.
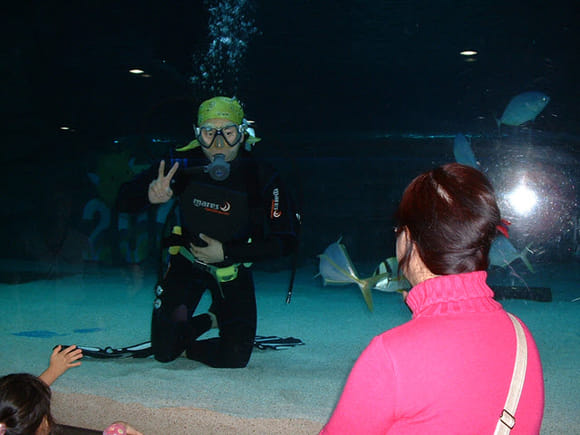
[{"x": 60, "y": 362}]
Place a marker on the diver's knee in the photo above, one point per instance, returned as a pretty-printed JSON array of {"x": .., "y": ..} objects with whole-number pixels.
[
  {"x": 239, "y": 356},
  {"x": 164, "y": 357}
]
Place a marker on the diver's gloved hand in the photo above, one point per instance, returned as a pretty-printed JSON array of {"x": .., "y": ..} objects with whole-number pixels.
[
  {"x": 159, "y": 189},
  {"x": 212, "y": 253}
]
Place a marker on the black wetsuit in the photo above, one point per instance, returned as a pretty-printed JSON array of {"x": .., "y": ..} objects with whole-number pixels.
[{"x": 250, "y": 214}]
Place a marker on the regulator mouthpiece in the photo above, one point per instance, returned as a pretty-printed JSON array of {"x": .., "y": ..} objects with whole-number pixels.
[{"x": 218, "y": 169}]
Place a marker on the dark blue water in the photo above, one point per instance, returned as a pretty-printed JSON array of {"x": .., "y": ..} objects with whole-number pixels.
[{"x": 352, "y": 100}]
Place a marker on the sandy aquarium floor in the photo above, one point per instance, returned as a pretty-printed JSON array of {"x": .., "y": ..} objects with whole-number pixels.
[{"x": 290, "y": 391}]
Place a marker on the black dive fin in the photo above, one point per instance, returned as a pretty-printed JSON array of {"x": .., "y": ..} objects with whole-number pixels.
[
  {"x": 276, "y": 343},
  {"x": 144, "y": 350},
  {"x": 141, "y": 350}
]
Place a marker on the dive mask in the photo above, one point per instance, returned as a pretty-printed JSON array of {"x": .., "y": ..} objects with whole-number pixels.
[{"x": 231, "y": 134}]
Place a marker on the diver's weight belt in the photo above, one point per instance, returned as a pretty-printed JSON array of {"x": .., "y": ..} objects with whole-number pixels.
[{"x": 221, "y": 274}]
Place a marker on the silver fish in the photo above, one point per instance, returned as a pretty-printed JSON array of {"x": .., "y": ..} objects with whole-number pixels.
[
  {"x": 392, "y": 281},
  {"x": 336, "y": 268}
]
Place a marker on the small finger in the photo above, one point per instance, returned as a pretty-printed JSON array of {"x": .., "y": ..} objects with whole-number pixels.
[
  {"x": 172, "y": 171},
  {"x": 161, "y": 170},
  {"x": 78, "y": 353}
]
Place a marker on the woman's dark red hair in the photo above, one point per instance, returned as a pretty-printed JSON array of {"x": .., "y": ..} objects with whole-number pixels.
[{"x": 452, "y": 216}]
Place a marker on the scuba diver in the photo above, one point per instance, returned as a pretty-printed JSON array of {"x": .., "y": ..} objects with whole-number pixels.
[{"x": 233, "y": 211}]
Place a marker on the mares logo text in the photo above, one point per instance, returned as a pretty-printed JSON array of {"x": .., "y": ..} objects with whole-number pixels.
[
  {"x": 212, "y": 206},
  {"x": 275, "y": 211}
]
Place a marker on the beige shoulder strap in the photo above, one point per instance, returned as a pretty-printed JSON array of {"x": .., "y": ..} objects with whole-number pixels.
[{"x": 507, "y": 418}]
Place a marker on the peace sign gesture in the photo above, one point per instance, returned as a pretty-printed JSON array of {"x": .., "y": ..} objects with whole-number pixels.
[{"x": 159, "y": 190}]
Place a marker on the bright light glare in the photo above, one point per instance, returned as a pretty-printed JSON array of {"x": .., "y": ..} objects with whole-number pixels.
[
  {"x": 522, "y": 199},
  {"x": 136, "y": 71},
  {"x": 468, "y": 53}
]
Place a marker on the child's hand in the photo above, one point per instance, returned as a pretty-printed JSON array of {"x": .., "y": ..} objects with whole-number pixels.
[{"x": 60, "y": 362}]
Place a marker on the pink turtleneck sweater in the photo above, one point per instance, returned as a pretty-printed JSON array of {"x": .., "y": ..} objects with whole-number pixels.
[{"x": 447, "y": 371}]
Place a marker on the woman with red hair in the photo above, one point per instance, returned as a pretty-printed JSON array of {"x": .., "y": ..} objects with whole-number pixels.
[{"x": 449, "y": 369}]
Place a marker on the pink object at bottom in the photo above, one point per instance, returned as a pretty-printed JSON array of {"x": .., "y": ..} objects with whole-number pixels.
[{"x": 115, "y": 429}]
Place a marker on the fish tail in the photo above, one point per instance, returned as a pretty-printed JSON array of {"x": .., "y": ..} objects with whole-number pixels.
[
  {"x": 366, "y": 290},
  {"x": 524, "y": 257}
]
